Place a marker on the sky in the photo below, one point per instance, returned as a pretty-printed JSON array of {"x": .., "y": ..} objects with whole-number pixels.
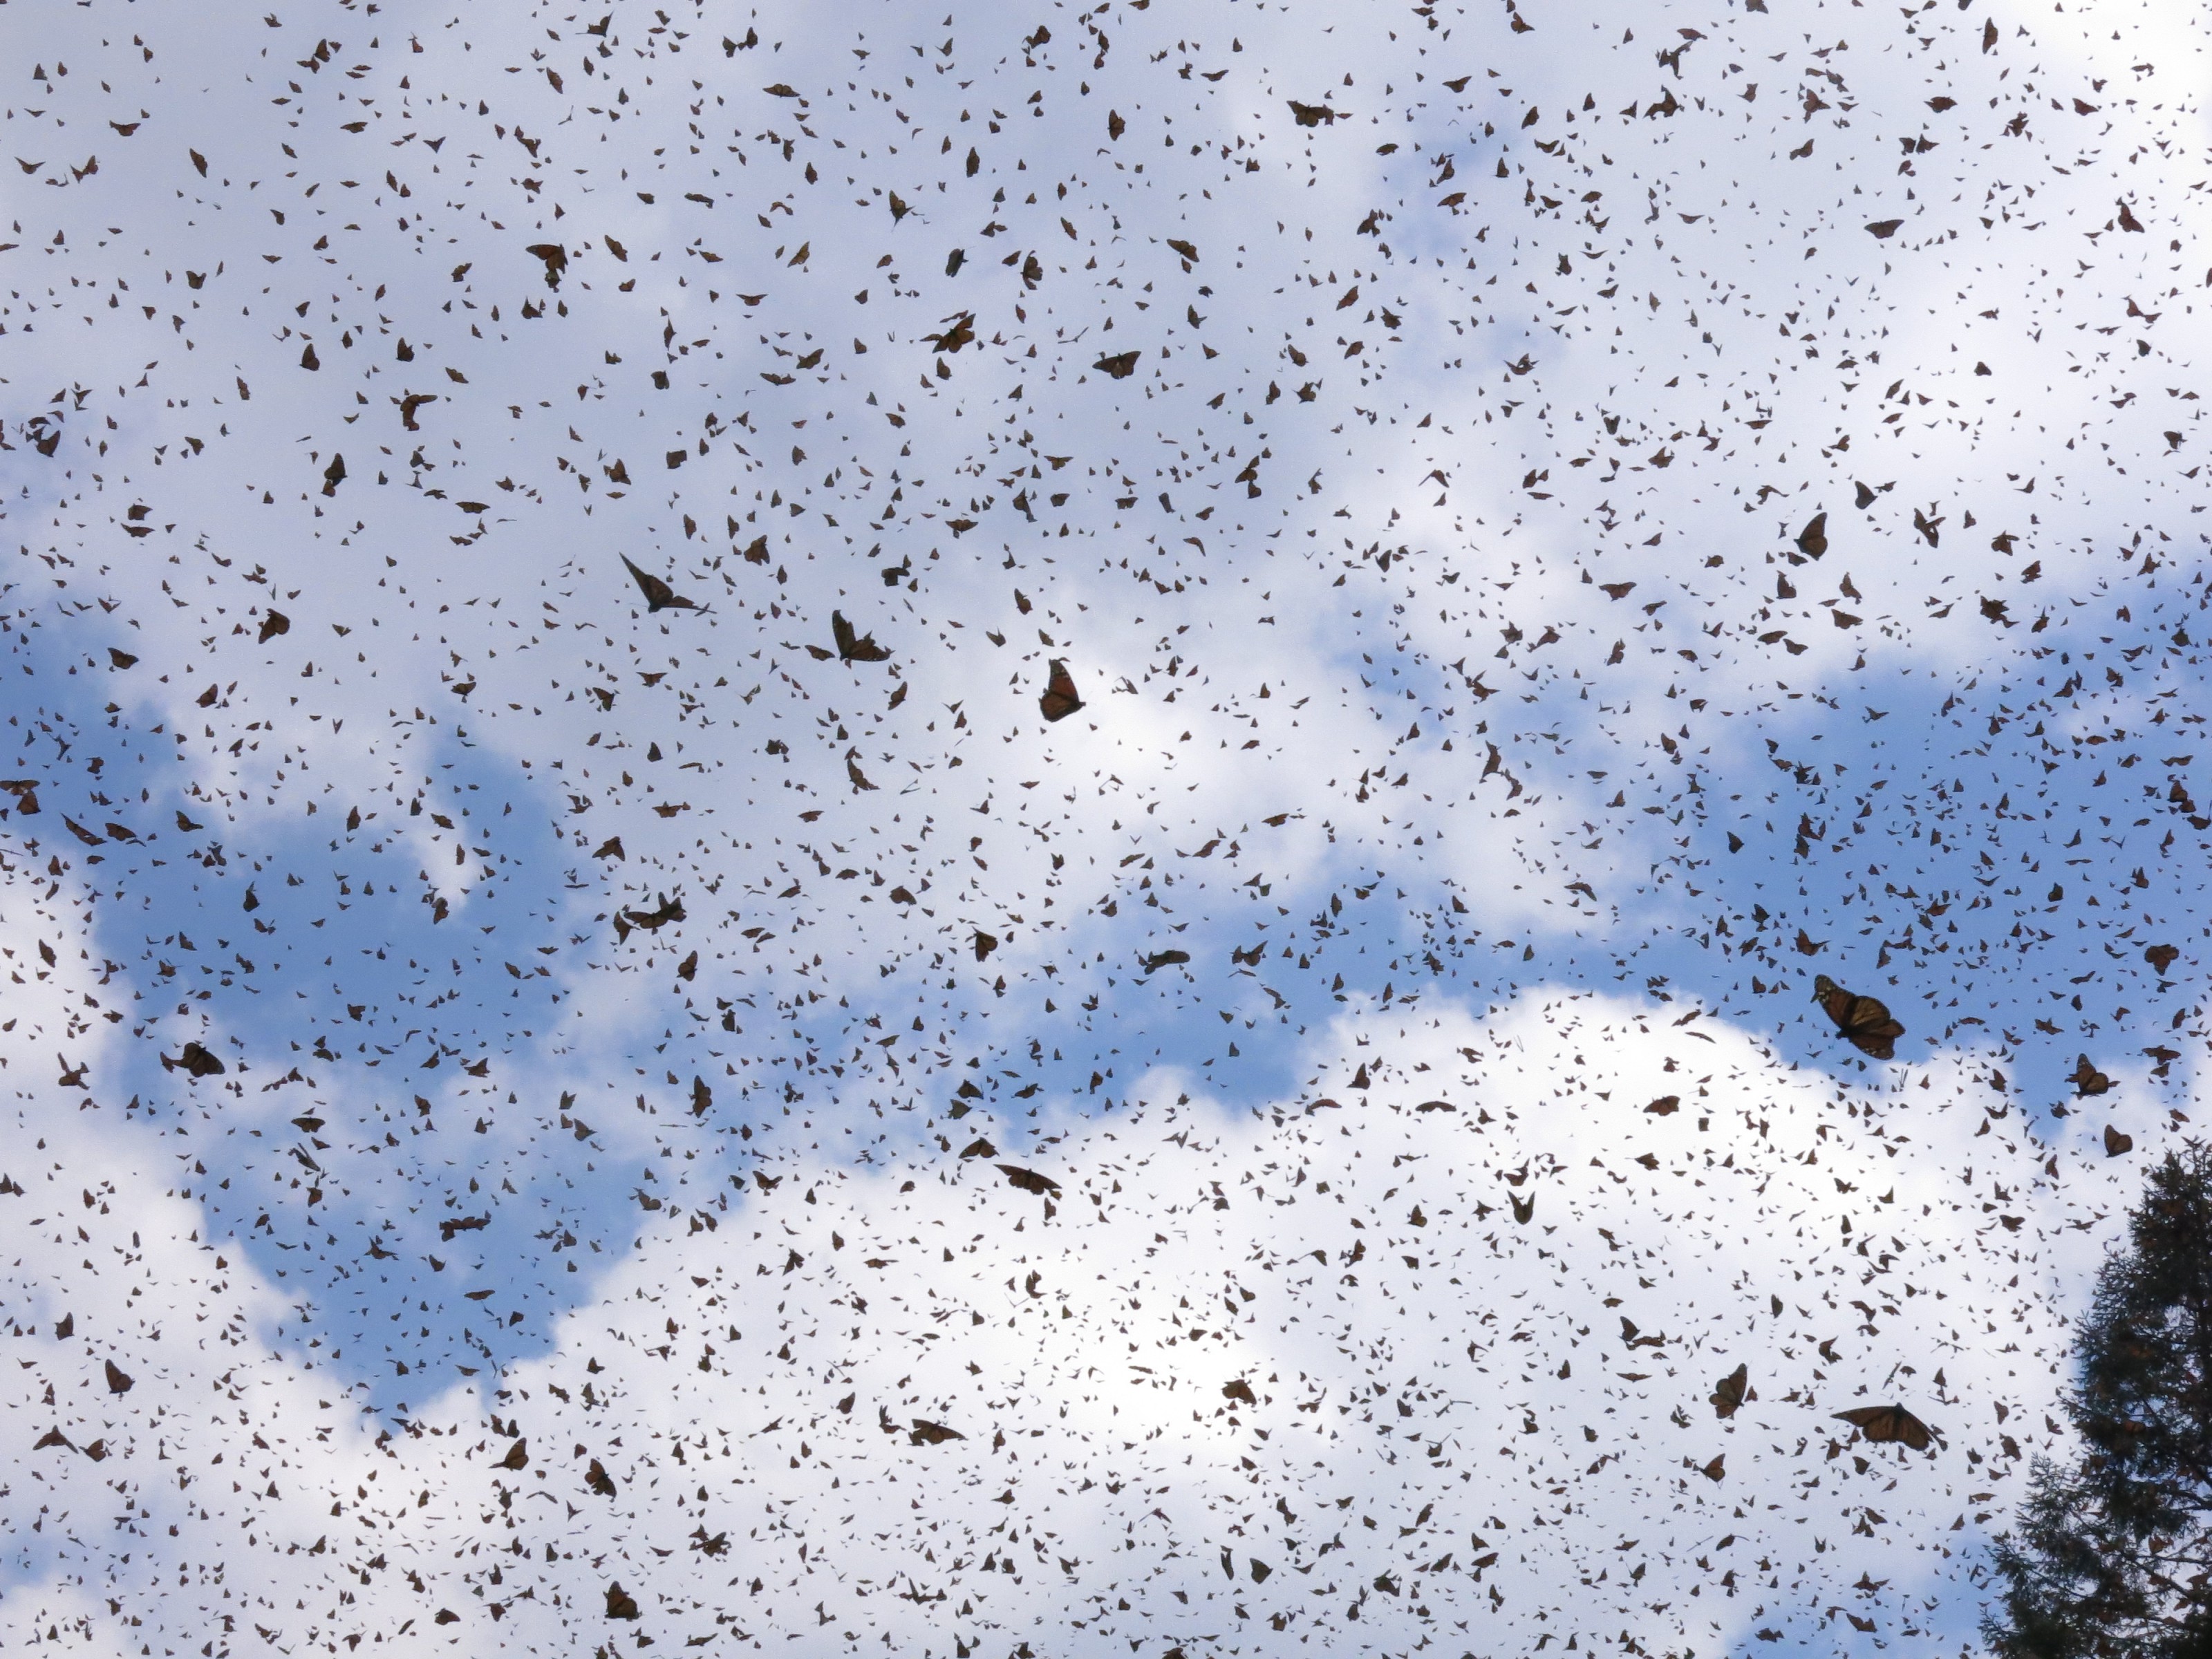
[{"x": 596, "y": 1058}]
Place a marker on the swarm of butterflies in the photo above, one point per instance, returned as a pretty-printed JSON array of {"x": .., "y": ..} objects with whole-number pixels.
[{"x": 809, "y": 884}]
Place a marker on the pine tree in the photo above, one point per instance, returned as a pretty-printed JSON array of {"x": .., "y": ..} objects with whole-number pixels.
[{"x": 2114, "y": 1557}]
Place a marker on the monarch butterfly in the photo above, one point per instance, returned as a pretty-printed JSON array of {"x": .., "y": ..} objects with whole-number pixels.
[
  {"x": 851, "y": 648},
  {"x": 1060, "y": 699},
  {"x": 1524, "y": 1209},
  {"x": 1864, "y": 1022},
  {"x": 2088, "y": 1079},
  {"x": 658, "y": 595},
  {"x": 961, "y": 333},
  {"x": 1886, "y": 1423},
  {"x": 1728, "y": 1394}
]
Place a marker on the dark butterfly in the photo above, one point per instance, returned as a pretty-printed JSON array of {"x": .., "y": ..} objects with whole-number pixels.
[
  {"x": 1888, "y": 1423},
  {"x": 927, "y": 1433},
  {"x": 1716, "y": 1468},
  {"x": 119, "y": 1381},
  {"x": 196, "y": 1060},
  {"x": 962, "y": 332},
  {"x": 1160, "y": 959},
  {"x": 1728, "y": 1393},
  {"x": 1864, "y": 1022},
  {"x": 556, "y": 257},
  {"x": 621, "y": 1604},
  {"x": 1812, "y": 539},
  {"x": 668, "y": 910},
  {"x": 658, "y": 595},
  {"x": 2115, "y": 1143},
  {"x": 1060, "y": 699},
  {"x": 1524, "y": 1209},
  {"x": 1239, "y": 1390},
  {"x": 1028, "y": 1179},
  {"x": 854, "y": 647},
  {"x": 2088, "y": 1079}
]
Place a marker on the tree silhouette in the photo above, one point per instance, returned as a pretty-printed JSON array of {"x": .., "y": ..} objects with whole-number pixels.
[{"x": 2114, "y": 1555}]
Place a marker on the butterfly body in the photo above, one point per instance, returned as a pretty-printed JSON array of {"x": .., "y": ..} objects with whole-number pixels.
[{"x": 1863, "y": 1022}]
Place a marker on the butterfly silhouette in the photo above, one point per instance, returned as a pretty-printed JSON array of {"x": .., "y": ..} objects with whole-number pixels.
[
  {"x": 556, "y": 257},
  {"x": 1060, "y": 699},
  {"x": 960, "y": 333},
  {"x": 658, "y": 595},
  {"x": 1728, "y": 1393},
  {"x": 854, "y": 647},
  {"x": 2088, "y": 1079},
  {"x": 196, "y": 1060},
  {"x": 1888, "y": 1423},
  {"x": 1864, "y": 1022}
]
